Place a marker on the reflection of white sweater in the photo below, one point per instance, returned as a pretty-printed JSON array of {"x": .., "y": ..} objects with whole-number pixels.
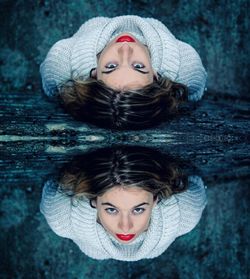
[
  {"x": 171, "y": 218},
  {"x": 73, "y": 58}
]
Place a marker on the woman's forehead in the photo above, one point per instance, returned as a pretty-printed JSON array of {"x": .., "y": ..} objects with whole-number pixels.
[{"x": 119, "y": 193}]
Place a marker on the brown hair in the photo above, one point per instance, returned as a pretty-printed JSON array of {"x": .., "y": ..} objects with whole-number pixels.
[
  {"x": 92, "y": 174},
  {"x": 94, "y": 102}
]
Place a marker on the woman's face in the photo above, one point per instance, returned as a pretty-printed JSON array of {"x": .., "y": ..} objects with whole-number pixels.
[
  {"x": 125, "y": 64},
  {"x": 125, "y": 212}
]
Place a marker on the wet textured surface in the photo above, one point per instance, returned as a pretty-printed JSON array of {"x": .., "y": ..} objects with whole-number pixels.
[{"x": 36, "y": 138}]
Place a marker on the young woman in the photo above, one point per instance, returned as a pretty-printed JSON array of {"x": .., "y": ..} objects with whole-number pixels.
[
  {"x": 125, "y": 72},
  {"x": 125, "y": 203}
]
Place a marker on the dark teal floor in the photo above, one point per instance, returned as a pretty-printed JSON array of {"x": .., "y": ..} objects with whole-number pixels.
[{"x": 215, "y": 138}]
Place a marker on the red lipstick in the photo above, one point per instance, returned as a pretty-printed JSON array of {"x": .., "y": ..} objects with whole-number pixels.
[
  {"x": 125, "y": 237},
  {"x": 125, "y": 38}
]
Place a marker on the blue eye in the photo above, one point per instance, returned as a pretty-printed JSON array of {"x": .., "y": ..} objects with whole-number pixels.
[
  {"x": 138, "y": 65},
  {"x": 111, "y": 210},
  {"x": 111, "y": 66},
  {"x": 139, "y": 210}
]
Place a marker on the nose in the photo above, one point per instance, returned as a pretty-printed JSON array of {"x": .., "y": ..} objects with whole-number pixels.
[
  {"x": 125, "y": 224},
  {"x": 125, "y": 51}
]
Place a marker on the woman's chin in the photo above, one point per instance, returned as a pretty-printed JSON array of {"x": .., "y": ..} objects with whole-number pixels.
[{"x": 126, "y": 241}]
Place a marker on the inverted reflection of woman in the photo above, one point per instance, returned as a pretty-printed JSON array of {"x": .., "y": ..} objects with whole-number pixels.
[
  {"x": 125, "y": 72},
  {"x": 126, "y": 203}
]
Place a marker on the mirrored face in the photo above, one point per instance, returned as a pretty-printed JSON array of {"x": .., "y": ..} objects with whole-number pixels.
[
  {"x": 125, "y": 64},
  {"x": 125, "y": 212}
]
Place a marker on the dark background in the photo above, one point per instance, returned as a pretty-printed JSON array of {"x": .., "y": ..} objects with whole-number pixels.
[{"x": 36, "y": 137}]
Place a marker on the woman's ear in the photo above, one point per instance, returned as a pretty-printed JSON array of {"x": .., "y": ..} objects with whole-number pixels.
[
  {"x": 93, "y": 73},
  {"x": 156, "y": 200},
  {"x": 157, "y": 76},
  {"x": 92, "y": 203}
]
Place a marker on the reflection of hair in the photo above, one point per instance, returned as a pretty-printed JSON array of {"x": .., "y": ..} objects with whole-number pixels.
[
  {"x": 94, "y": 102},
  {"x": 92, "y": 174}
]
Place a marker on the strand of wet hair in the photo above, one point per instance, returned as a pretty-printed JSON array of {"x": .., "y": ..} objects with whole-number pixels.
[
  {"x": 114, "y": 176},
  {"x": 115, "y": 97}
]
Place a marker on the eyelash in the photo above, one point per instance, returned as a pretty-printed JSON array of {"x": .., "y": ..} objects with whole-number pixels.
[
  {"x": 142, "y": 66},
  {"x": 141, "y": 210},
  {"x": 107, "y": 66},
  {"x": 114, "y": 211},
  {"x": 114, "y": 65}
]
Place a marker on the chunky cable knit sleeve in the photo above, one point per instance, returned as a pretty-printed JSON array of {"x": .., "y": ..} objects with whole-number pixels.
[
  {"x": 191, "y": 204},
  {"x": 191, "y": 71},
  {"x": 56, "y": 68},
  {"x": 56, "y": 208},
  {"x": 180, "y": 62}
]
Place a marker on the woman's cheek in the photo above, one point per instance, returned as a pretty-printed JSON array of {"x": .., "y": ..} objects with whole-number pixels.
[
  {"x": 143, "y": 224},
  {"x": 107, "y": 221}
]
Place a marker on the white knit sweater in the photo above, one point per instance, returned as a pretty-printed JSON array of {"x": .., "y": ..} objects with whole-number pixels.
[
  {"x": 73, "y": 58},
  {"x": 171, "y": 218}
]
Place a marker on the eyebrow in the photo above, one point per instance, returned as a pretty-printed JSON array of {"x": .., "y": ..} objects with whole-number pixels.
[
  {"x": 110, "y": 204},
  {"x": 109, "y": 72}
]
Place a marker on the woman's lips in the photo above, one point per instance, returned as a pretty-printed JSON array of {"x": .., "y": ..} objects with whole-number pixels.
[
  {"x": 125, "y": 237},
  {"x": 125, "y": 38}
]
